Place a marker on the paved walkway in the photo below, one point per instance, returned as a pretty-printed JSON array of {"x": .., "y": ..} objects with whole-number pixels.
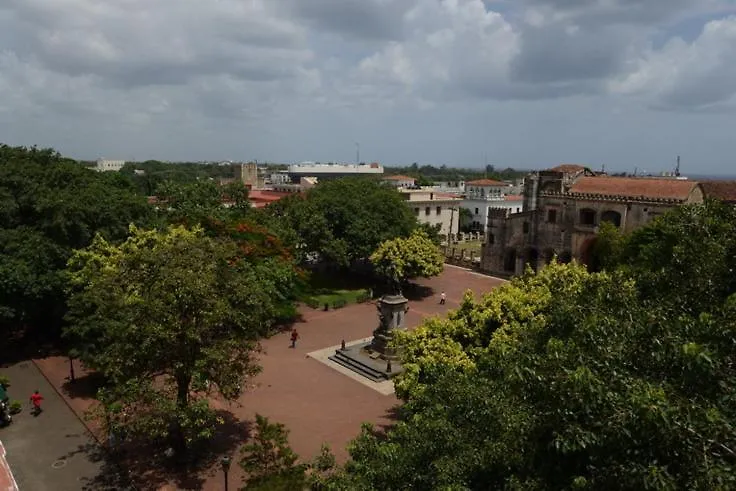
[
  {"x": 317, "y": 403},
  {"x": 52, "y": 451}
]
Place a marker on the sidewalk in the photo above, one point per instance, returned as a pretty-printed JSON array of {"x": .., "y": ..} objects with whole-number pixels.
[{"x": 53, "y": 451}]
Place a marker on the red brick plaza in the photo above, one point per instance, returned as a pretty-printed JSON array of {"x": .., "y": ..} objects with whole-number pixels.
[{"x": 316, "y": 403}]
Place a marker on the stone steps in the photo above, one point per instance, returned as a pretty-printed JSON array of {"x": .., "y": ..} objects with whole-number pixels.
[{"x": 342, "y": 358}]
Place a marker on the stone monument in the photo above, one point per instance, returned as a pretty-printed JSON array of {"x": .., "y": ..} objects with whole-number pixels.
[{"x": 377, "y": 360}]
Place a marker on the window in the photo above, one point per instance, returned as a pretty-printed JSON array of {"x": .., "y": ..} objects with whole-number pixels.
[
  {"x": 491, "y": 239},
  {"x": 526, "y": 227},
  {"x": 613, "y": 217},
  {"x": 416, "y": 211},
  {"x": 552, "y": 216},
  {"x": 587, "y": 216},
  {"x": 439, "y": 210},
  {"x": 426, "y": 211},
  {"x": 476, "y": 211}
]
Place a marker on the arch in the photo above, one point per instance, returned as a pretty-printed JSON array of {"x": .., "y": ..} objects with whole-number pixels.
[
  {"x": 509, "y": 260},
  {"x": 587, "y": 216},
  {"x": 611, "y": 216},
  {"x": 531, "y": 257},
  {"x": 586, "y": 251},
  {"x": 548, "y": 255},
  {"x": 564, "y": 257}
]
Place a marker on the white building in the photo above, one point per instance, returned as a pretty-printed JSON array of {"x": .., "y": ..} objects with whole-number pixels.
[
  {"x": 104, "y": 165},
  {"x": 278, "y": 178},
  {"x": 434, "y": 208},
  {"x": 400, "y": 181},
  {"x": 484, "y": 194},
  {"x": 328, "y": 171}
]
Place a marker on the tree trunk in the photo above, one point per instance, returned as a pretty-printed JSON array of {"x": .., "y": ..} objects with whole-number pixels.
[{"x": 182, "y": 403}]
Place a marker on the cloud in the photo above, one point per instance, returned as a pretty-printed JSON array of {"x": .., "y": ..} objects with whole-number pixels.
[{"x": 698, "y": 75}]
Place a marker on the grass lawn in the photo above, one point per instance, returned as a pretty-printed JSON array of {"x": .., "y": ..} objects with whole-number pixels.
[
  {"x": 334, "y": 290},
  {"x": 469, "y": 246}
]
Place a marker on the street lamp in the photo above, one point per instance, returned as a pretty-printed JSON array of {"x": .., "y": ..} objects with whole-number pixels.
[
  {"x": 225, "y": 462},
  {"x": 71, "y": 369}
]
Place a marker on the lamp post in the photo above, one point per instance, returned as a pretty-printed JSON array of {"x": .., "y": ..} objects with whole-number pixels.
[
  {"x": 225, "y": 462},
  {"x": 71, "y": 370}
]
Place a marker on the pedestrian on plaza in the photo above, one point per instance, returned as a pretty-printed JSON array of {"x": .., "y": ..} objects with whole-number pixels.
[
  {"x": 36, "y": 399},
  {"x": 443, "y": 298},
  {"x": 294, "y": 337}
]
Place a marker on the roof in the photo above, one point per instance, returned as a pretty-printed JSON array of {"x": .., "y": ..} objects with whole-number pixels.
[
  {"x": 568, "y": 168},
  {"x": 513, "y": 197},
  {"x": 720, "y": 190},
  {"x": 400, "y": 178},
  {"x": 264, "y": 195},
  {"x": 634, "y": 187},
  {"x": 486, "y": 182}
]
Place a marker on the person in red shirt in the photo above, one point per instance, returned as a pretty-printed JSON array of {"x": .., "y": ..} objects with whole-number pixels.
[
  {"x": 294, "y": 337},
  {"x": 36, "y": 399}
]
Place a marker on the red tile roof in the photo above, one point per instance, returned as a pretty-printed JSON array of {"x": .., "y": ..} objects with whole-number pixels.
[
  {"x": 400, "y": 178},
  {"x": 720, "y": 190},
  {"x": 513, "y": 197},
  {"x": 634, "y": 187},
  {"x": 568, "y": 168},
  {"x": 486, "y": 182},
  {"x": 257, "y": 195}
]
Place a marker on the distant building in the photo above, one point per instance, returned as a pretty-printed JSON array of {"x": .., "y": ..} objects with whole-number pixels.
[
  {"x": 563, "y": 208},
  {"x": 333, "y": 171},
  {"x": 247, "y": 174},
  {"x": 261, "y": 197},
  {"x": 434, "y": 208},
  {"x": 104, "y": 165},
  {"x": 278, "y": 178},
  {"x": 400, "y": 181},
  {"x": 483, "y": 195}
]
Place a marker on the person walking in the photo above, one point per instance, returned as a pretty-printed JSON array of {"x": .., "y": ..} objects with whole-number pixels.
[
  {"x": 443, "y": 298},
  {"x": 36, "y": 399},
  {"x": 294, "y": 337}
]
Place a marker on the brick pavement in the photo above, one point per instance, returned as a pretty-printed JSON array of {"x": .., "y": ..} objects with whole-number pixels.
[
  {"x": 316, "y": 403},
  {"x": 52, "y": 451}
]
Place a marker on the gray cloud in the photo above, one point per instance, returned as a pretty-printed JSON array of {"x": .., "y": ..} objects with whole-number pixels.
[{"x": 353, "y": 19}]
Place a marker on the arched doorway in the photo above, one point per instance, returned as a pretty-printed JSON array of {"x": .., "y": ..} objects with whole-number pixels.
[
  {"x": 531, "y": 257},
  {"x": 509, "y": 261},
  {"x": 565, "y": 257}
]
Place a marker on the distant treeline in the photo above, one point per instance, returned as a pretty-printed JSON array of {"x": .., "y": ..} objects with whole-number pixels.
[{"x": 428, "y": 174}]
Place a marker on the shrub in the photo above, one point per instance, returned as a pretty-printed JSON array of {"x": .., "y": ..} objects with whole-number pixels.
[
  {"x": 15, "y": 407},
  {"x": 4, "y": 381},
  {"x": 339, "y": 303},
  {"x": 312, "y": 302}
]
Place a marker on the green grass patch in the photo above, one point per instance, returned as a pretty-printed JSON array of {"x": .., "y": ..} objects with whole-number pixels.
[{"x": 336, "y": 292}]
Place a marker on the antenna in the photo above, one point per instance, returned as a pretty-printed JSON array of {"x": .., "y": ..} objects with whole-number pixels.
[
  {"x": 357, "y": 153},
  {"x": 635, "y": 169},
  {"x": 677, "y": 168}
]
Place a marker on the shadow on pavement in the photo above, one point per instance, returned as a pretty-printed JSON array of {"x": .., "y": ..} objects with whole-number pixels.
[
  {"x": 84, "y": 387},
  {"x": 144, "y": 465}
]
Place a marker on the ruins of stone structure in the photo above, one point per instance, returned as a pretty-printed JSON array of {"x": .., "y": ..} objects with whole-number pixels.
[{"x": 563, "y": 208}]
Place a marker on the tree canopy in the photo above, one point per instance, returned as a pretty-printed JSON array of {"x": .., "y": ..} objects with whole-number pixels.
[
  {"x": 568, "y": 379},
  {"x": 165, "y": 316},
  {"x": 408, "y": 258},
  {"x": 49, "y": 206},
  {"x": 345, "y": 220}
]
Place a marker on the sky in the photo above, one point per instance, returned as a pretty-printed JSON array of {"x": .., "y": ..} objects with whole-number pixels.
[{"x": 524, "y": 83}]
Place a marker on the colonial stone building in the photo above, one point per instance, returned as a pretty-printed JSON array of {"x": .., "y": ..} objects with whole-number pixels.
[{"x": 563, "y": 208}]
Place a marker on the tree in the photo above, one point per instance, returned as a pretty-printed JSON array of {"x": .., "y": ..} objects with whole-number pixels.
[
  {"x": 466, "y": 218},
  {"x": 345, "y": 220},
  {"x": 165, "y": 317},
  {"x": 49, "y": 206},
  {"x": 407, "y": 258},
  {"x": 271, "y": 464},
  {"x": 564, "y": 379}
]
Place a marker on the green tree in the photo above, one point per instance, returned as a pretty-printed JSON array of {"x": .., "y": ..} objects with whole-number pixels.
[
  {"x": 165, "y": 317},
  {"x": 607, "y": 248},
  {"x": 271, "y": 465},
  {"x": 49, "y": 206},
  {"x": 345, "y": 220},
  {"x": 563, "y": 379},
  {"x": 408, "y": 258}
]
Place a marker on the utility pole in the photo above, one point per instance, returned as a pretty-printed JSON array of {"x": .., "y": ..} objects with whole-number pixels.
[
  {"x": 357, "y": 153},
  {"x": 677, "y": 168}
]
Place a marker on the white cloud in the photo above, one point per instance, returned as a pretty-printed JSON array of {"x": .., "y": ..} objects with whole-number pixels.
[{"x": 696, "y": 75}]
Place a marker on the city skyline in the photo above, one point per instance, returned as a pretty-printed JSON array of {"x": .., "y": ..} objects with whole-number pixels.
[{"x": 622, "y": 83}]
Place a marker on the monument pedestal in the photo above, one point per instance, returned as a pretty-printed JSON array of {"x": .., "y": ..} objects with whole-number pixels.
[{"x": 377, "y": 360}]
